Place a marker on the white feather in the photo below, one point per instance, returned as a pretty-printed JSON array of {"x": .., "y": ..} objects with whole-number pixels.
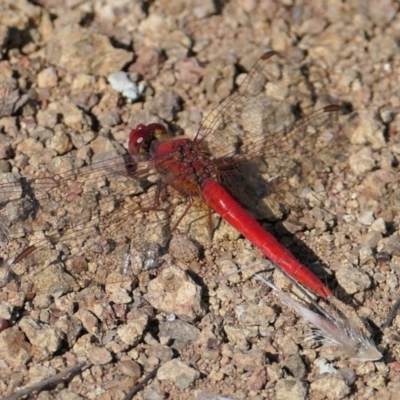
[{"x": 341, "y": 334}]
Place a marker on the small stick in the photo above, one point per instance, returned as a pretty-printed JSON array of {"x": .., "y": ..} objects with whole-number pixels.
[
  {"x": 69, "y": 372},
  {"x": 392, "y": 313},
  {"x": 141, "y": 384}
]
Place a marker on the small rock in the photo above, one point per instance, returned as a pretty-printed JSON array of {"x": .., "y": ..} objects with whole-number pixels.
[
  {"x": 324, "y": 366},
  {"x": 132, "y": 332},
  {"x": 295, "y": 365},
  {"x": 89, "y": 321},
  {"x": 332, "y": 386},
  {"x": 178, "y": 373},
  {"x": 60, "y": 142},
  {"x": 99, "y": 355},
  {"x": 47, "y": 118},
  {"x": 362, "y": 161},
  {"x": 353, "y": 280},
  {"x": 75, "y": 117},
  {"x": 382, "y": 13},
  {"x": 189, "y": 70},
  {"x": 348, "y": 375},
  {"x": 255, "y": 314},
  {"x": 248, "y": 360},
  {"x": 370, "y": 239},
  {"x": 367, "y": 129},
  {"x": 121, "y": 83},
  {"x": 366, "y": 255},
  {"x": 203, "y": 8},
  {"x": 377, "y": 382},
  {"x": 238, "y": 336},
  {"x": 182, "y": 248},
  {"x": 287, "y": 345},
  {"x": 258, "y": 378},
  {"x": 366, "y": 218},
  {"x": 176, "y": 45},
  {"x": 14, "y": 348},
  {"x": 148, "y": 62},
  {"x": 165, "y": 105},
  {"x": 4, "y": 324},
  {"x": 6, "y": 310},
  {"x": 130, "y": 368},
  {"x": 47, "y": 78},
  {"x": 45, "y": 339},
  {"x": 53, "y": 279},
  {"x": 290, "y": 389},
  {"x": 83, "y": 50},
  {"x": 174, "y": 292},
  {"x": 379, "y": 225},
  {"x": 218, "y": 80},
  {"x": 70, "y": 327},
  {"x": 163, "y": 353},
  {"x": 182, "y": 333}
]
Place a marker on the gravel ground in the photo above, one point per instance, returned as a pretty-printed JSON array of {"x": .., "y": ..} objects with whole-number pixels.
[{"x": 191, "y": 334}]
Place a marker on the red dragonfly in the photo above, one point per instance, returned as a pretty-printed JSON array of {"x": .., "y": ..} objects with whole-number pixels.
[{"x": 87, "y": 212}]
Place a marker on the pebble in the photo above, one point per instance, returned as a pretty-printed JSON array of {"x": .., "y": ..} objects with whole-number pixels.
[
  {"x": 331, "y": 386},
  {"x": 70, "y": 327},
  {"x": 255, "y": 314},
  {"x": 14, "y": 347},
  {"x": 53, "y": 280},
  {"x": 83, "y": 50},
  {"x": 6, "y": 310},
  {"x": 189, "y": 70},
  {"x": 183, "y": 248},
  {"x": 174, "y": 292},
  {"x": 75, "y": 117},
  {"x": 178, "y": 333},
  {"x": 218, "y": 80},
  {"x": 120, "y": 82},
  {"x": 148, "y": 62},
  {"x": 130, "y": 368},
  {"x": 47, "y": 78},
  {"x": 178, "y": 373},
  {"x": 99, "y": 355},
  {"x": 290, "y": 389},
  {"x": 353, "y": 280},
  {"x": 238, "y": 336},
  {"x": 368, "y": 130},
  {"x": 362, "y": 161},
  {"x": 133, "y": 331},
  {"x": 60, "y": 142},
  {"x": 296, "y": 366},
  {"x": 44, "y": 339},
  {"x": 366, "y": 218},
  {"x": 324, "y": 366},
  {"x": 162, "y": 353},
  {"x": 165, "y": 105},
  {"x": 248, "y": 360}
]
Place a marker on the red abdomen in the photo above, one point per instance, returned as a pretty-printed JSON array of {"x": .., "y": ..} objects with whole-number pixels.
[{"x": 231, "y": 211}]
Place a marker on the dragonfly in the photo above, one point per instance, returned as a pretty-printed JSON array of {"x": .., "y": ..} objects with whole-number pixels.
[{"x": 87, "y": 217}]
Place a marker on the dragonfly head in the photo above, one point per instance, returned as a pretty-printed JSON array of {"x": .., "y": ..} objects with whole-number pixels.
[{"x": 143, "y": 138}]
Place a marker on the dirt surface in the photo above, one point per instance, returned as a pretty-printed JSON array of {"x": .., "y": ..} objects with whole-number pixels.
[{"x": 196, "y": 335}]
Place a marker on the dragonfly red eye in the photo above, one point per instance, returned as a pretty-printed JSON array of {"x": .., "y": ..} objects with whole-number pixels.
[
  {"x": 142, "y": 137},
  {"x": 137, "y": 138}
]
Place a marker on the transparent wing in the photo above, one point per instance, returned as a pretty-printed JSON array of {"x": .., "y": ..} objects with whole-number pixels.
[
  {"x": 88, "y": 216},
  {"x": 262, "y": 141}
]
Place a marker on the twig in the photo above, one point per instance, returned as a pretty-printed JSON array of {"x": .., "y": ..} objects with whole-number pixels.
[
  {"x": 69, "y": 372},
  {"x": 141, "y": 384},
  {"x": 392, "y": 313}
]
